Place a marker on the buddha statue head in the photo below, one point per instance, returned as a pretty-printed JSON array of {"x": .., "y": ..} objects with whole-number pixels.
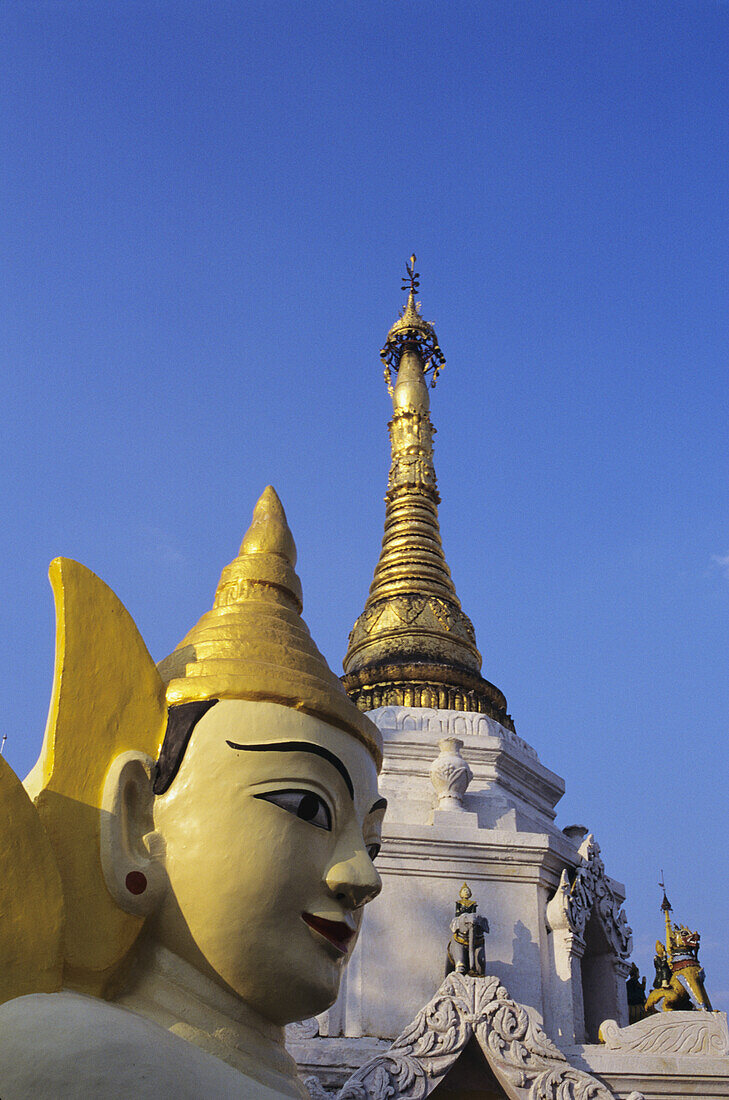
[{"x": 223, "y": 805}]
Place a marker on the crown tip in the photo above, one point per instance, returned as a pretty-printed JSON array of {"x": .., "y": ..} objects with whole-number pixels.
[
  {"x": 270, "y": 497},
  {"x": 269, "y": 532}
]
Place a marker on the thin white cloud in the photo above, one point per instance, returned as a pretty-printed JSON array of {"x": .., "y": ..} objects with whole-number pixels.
[
  {"x": 170, "y": 555},
  {"x": 722, "y": 560},
  {"x": 161, "y": 548}
]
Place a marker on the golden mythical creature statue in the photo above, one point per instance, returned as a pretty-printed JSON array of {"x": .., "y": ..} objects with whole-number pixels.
[
  {"x": 185, "y": 869},
  {"x": 679, "y": 982}
]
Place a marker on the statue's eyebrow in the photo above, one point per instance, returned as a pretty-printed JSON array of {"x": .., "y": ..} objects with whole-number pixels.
[{"x": 301, "y": 746}]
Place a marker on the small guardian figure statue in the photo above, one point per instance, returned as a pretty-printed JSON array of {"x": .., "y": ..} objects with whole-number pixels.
[{"x": 465, "y": 950}]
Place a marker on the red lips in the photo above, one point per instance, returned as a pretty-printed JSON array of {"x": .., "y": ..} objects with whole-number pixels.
[{"x": 336, "y": 931}]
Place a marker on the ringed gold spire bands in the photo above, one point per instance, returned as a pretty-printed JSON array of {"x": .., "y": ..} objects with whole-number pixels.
[{"x": 413, "y": 645}]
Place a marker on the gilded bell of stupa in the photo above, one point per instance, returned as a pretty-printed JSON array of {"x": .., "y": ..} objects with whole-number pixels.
[{"x": 413, "y": 645}]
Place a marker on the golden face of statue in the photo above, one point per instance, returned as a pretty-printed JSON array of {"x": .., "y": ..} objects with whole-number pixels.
[{"x": 269, "y": 831}]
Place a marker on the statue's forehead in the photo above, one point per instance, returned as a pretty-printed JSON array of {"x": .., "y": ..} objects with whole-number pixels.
[{"x": 261, "y": 725}]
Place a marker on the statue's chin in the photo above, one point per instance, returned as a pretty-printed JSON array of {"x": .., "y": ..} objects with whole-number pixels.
[
  {"x": 289, "y": 1001},
  {"x": 290, "y": 989}
]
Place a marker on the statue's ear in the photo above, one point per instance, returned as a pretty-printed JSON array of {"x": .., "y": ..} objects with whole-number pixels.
[{"x": 132, "y": 853}]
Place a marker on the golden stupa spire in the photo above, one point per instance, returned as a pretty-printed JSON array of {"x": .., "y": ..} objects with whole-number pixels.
[{"x": 413, "y": 645}]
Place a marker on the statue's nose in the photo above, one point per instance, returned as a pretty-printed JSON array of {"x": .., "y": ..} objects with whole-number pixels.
[{"x": 354, "y": 881}]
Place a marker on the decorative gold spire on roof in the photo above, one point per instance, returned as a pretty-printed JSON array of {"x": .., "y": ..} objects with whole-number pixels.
[{"x": 413, "y": 645}]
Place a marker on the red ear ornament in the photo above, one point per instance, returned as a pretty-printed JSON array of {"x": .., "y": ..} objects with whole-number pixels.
[{"x": 136, "y": 882}]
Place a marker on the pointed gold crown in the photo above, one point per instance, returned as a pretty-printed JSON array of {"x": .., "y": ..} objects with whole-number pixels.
[
  {"x": 465, "y": 903},
  {"x": 465, "y": 895},
  {"x": 253, "y": 643}
]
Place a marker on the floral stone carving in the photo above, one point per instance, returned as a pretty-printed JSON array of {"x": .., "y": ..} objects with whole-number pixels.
[
  {"x": 674, "y": 1033},
  {"x": 590, "y": 890},
  {"x": 525, "y": 1062}
]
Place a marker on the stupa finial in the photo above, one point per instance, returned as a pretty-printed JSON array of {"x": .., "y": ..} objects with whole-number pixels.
[
  {"x": 412, "y": 281},
  {"x": 412, "y": 332}
]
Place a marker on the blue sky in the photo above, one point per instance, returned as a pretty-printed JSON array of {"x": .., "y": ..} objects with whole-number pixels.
[{"x": 205, "y": 211}]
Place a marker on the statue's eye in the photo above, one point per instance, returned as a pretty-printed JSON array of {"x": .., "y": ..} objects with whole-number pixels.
[
  {"x": 373, "y": 850},
  {"x": 303, "y": 804}
]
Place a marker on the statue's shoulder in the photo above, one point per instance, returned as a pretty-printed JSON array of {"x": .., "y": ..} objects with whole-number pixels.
[{"x": 72, "y": 1046}]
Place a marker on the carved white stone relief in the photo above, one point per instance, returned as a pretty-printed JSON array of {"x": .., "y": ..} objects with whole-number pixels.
[
  {"x": 671, "y": 1033},
  {"x": 315, "y": 1088},
  {"x": 303, "y": 1029},
  {"x": 451, "y": 723},
  {"x": 526, "y": 1063},
  {"x": 450, "y": 774},
  {"x": 574, "y": 902}
]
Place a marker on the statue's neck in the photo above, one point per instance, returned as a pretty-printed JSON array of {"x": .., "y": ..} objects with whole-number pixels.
[{"x": 175, "y": 995}]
